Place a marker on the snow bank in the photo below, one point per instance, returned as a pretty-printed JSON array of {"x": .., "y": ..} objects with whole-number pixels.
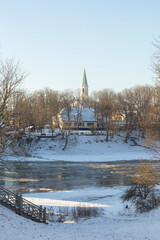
[
  {"x": 116, "y": 223},
  {"x": 87, "y": 148}
]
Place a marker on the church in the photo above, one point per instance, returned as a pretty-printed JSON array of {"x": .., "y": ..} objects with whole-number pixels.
[{"x": 79, "y": 117}]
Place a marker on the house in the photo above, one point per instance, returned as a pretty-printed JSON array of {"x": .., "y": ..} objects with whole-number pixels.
[{"x": 79, "y": 116}]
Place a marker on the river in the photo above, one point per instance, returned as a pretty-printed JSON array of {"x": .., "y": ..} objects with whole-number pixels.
[{"x": 47, "y": 175}]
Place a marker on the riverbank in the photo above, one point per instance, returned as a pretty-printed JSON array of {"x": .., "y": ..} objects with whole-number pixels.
[
  {"x": 85, "y": 148},
  {"x": 116, "y": 222}
]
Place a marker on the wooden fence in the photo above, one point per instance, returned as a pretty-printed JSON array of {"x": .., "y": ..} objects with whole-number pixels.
[{"x": 22, "y": 206}]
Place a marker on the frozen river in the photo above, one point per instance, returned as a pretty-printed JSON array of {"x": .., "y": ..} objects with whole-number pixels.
[{"x": 42, "y": 176}]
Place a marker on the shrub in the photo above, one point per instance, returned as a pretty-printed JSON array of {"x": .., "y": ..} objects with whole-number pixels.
[
  {"x": 85, "y": 212},
  {"x": 143, "y": 192},
  {"x": 74, "y": 213}
]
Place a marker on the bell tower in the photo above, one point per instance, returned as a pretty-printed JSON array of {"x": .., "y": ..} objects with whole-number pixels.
[{"x": 84, "y": 87}]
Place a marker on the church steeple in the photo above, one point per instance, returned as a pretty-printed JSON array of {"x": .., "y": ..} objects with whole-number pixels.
[
  {"x": 84, "y": 83},
  {"x": 84, "y": 87}
]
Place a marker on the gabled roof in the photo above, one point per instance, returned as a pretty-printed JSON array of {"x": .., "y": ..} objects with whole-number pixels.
[
  {"x": 79, "y": 114},
  {"x": 84, "y": 82}
]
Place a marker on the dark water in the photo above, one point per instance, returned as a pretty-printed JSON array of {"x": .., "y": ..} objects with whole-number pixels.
[{"x": 40, "y": 176}]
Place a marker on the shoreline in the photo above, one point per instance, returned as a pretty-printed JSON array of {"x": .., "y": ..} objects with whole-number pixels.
[{"x": 84, "y": 149}]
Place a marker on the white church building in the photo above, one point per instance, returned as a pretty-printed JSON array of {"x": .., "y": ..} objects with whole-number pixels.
[{"x": 79, "y": 117}]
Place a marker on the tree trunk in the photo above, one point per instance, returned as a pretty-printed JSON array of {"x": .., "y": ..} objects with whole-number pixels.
[
  {"x": 127, "y": 135},
  {"x": 107, "y": 135},
  {"x": 66, "y": 142}
]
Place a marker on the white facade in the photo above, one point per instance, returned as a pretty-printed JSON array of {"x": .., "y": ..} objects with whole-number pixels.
[{"x": 77, "y": 118}]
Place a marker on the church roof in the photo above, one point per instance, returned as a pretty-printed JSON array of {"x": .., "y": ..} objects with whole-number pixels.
[
  {"x": 80, "y": 114},
  {"x": 84, "y": 82}
]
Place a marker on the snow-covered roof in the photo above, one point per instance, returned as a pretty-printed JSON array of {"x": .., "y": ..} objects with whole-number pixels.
[{"x": 79, "y": 114}]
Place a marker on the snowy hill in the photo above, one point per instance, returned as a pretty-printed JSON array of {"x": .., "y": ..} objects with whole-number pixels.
[
  {"x": 88, "y": 148},
  {"x": 116, "y": 222}
]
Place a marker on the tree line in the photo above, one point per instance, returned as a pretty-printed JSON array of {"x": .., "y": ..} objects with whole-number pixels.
[{"x": 138, "y": 107}]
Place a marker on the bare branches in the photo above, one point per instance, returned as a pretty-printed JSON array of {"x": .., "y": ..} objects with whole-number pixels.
[
  {"x": 142, "y": 192},
  {"x": 156, "y": 60},
  {"x": 11, "y": 77}
]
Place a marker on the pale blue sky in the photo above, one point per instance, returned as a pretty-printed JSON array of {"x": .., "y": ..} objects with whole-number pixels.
[{"x": 55, "y": 40}]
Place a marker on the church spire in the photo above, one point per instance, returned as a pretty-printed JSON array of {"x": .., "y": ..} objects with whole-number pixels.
[
  {"x": 84, "y": 87},
  {"x": 84, "y": 82}
]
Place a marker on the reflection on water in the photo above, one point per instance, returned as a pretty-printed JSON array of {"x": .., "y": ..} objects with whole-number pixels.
[{"x": 38, "y": 176}]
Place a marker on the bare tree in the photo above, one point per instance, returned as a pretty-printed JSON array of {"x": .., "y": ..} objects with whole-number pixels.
[
  {"x": 156, "y": 60},
  {"x": 105, "y": 108},
  {"x": 52, "y": 104},
  {"x": 143, "y": 99},
  {"x": 126, "y": 101},
  {"x": 39, "y": 109},
  {"x": 67, "y": 98},
  {"x": 11, "y": 77},
  {"x": 143, "y": 192},
  {"x": 153, "y": 120},
  {"x": 21, "y": 111}
]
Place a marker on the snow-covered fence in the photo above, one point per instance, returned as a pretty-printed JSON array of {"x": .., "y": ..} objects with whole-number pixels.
[{"x": 22, "y": 206}]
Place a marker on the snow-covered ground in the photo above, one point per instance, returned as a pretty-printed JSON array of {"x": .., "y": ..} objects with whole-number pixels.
[
  {"x": 86, "y": 148},
  {"x": 116, "y": 222}
]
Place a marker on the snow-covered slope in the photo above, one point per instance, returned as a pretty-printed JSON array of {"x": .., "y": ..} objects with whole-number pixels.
[
  {"x": 88, "y": 148},
  {"x": 116, "y": 223}
]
